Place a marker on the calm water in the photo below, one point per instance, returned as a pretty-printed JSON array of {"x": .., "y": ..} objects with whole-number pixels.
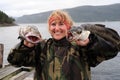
[{"x": 107, "y": 70}]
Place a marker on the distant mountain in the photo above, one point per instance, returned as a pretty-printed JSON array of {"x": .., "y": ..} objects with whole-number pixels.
[{"x": 79, "y": 14}]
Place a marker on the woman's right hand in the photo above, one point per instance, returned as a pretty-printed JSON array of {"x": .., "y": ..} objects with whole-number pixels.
[
  {"x": 82, "y": 42},
  {"x": 28, "y": 44}
]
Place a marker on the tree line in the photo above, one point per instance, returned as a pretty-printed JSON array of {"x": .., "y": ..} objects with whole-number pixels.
[{"x": 5, "y": 19}]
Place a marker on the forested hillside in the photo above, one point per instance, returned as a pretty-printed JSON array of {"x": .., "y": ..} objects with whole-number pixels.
[
  {"x": 79, "y": 14},
  {"x": 5, "y": 19}
]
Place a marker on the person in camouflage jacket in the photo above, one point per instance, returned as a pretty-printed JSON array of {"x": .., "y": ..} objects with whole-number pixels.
[{"x": 59, "y": 59}]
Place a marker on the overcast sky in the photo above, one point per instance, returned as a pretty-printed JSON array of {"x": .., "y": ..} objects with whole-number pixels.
[{"x": 17, "y": 8}]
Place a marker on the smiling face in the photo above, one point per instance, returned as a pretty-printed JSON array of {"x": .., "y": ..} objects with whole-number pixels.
[
  {"x": 58, "y": 30},
  {"x": 59, "y": 23}
]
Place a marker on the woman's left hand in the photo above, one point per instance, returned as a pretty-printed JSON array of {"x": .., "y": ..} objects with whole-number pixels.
[{"x": 82, "y": 42}]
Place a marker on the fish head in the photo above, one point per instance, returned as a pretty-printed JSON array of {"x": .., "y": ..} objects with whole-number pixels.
[
  {"x": 30, "y": 33},
  {"x": 77, "y": 33},
  {"x": 73, "y": 33}
]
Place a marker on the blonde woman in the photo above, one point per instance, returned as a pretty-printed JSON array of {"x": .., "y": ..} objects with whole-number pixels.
[{"x": 59, "y": 59}]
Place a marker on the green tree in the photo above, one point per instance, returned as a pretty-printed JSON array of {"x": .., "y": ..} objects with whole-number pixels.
[{"x": 4, "y": 18}]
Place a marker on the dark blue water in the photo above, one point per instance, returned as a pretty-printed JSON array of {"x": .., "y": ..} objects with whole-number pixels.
[{"x": 107, "y": 70}]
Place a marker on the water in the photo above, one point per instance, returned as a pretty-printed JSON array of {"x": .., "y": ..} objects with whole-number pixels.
[{"x": 107, "y": 70}]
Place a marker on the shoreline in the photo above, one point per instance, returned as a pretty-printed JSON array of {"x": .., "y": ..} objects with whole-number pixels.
[{"x": 6, "y": 24}]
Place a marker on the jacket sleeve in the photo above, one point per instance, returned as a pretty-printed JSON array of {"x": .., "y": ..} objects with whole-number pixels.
[
  {"x": 99, "y": 50},
  {"x": 21, "y": 55}
]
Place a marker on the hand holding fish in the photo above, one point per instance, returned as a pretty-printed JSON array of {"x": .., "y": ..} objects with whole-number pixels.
[
  {"x": 30, "y": 35},
  {"x": 82, "y": 42},
  {"x": 78, "y": 35},
  {"x": 28, "y": 44}
]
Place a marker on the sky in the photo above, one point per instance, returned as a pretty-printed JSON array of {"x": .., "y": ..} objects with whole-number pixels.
[{"x": 18, "y": 8}]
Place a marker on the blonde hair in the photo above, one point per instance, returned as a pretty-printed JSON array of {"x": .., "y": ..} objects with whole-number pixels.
[{"x": 61, "y": 16}]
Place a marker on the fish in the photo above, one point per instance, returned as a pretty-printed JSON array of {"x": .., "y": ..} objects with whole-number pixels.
[
  {"x": 30, "y": 33},
  {"x": 77, "y": 33},
  {"x": 83, "y": 31}
]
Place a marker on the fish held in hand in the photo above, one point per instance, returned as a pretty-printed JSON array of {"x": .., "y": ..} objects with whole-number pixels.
[
  {"x": 30, "y": 34},
  {"x": 77, "y": 33}
]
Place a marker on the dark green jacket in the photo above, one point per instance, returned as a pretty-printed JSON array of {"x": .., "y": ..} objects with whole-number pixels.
[{"x": 61, "y": 60}]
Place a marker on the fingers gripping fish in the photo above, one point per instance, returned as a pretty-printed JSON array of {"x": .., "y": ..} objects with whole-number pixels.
[
  {"x": 77, "y": 33},
  {"x": 30, "y": 33}
]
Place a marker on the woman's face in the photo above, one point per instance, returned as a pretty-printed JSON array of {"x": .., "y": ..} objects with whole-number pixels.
[{"x": 58, "y": 30}]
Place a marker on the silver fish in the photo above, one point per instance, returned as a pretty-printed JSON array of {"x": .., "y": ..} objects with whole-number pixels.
[
  {"x": 77, "y": 33},
  {"x": 30, "y": 33}
]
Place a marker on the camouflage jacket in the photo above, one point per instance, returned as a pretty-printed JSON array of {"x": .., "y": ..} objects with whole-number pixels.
[{"x": 61, "y": 60}]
